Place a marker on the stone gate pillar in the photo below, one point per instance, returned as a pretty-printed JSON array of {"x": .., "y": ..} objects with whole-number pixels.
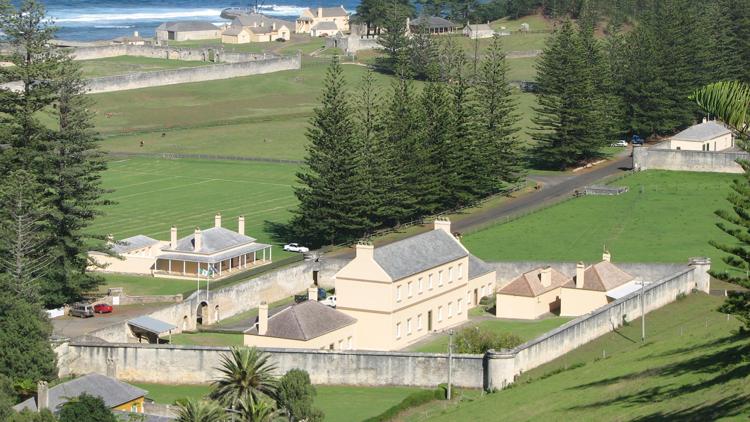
[
  {"x": 499, "y": 369},
  {"x": 701, "y": 276}
]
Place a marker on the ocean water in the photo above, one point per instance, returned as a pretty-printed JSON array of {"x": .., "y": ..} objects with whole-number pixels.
[{"x": 88, "y": 20}]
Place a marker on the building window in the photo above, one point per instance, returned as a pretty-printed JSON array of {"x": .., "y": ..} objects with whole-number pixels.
[
  {"x": 450, "y": 309},
  {"x": 408, "y": 326},
  {"x": 349, "y": 342},
  {"x": 450, "y": 274},
  {"x": 341, "y": 344},
  {"x": 429, "y": 282},
  {"x": 421, "y": 287},
  {"x": 482, "y": 292},
  {"x": 419, "y": 322},
  {"x": 398, "y": 293},
  {"x": 134, "y": 408},
  {"x": 440, "y": 313},
  {"x": 408, "y": 289},
  {"x": 398, "y": 330},
  {"x": 459, "y": 302},
  {"x": 460, "y": 271},
  {"x": 440, "y": 278}
]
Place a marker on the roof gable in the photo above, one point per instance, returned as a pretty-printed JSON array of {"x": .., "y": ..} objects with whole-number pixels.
[
  {"x": 112, "y": 391},
  {"x": 304, "y": 321},
  {"x": 602, "y": 277},
  {"x": 418, "y": 253}
]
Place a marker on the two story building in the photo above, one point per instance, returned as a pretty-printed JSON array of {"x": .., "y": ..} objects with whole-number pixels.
[
  {"x": 255, "y": 27},
  {"x": 321, "y": 21}
]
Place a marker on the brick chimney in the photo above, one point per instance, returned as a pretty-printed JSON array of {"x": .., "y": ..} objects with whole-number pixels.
[
  {"x": 580, "y": 269},
  {"x": 364, "y": 250},
  {"x": 217, "y": 220},
  {"x": 198, "y": 239},
  {"x": 42, "y": 396},
  {"x": 173, "y": 237},
  {"x": 545, "y": 276},
  {"x": 263, "y": 318},
  {"x": 312, "y": 293},
  {"x": 442, "y": 223},
  {"x": 241, "y": 225}
]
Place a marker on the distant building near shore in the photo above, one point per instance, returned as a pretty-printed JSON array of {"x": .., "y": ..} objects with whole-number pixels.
[
  {"x": 434, "y": 25},
  {"x": 321, "y": 21},
  {"x": 256, "y": 27},
  {"x": 187, "y": 31}
]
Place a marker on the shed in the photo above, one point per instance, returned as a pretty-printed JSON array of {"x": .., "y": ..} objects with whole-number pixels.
[
  {"x": 478, "y": 31},
  {"x": 151, "y": 328},
  {"x": 707, "y": 136}
]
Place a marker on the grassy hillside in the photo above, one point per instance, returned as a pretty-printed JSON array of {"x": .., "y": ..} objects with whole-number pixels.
[
  {"x": 692, "y": 367},
  {"x": 130, "y": 64},
  {"x": 665, "y": 217}
]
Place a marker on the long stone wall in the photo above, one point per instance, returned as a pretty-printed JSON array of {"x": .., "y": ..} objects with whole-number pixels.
[
  {"x": 494, "y": 370},
  {"x": 193, "y": 74},
  {"x": 704, "y": 161},
  {"x": 217, "y": 55}
]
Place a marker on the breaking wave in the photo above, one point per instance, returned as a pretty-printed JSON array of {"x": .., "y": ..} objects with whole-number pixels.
[{"x": 120, "y": 16}]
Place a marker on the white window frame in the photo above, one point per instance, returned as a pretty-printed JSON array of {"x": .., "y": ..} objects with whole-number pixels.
[
  {"x": 460, "y": 271},
  {"x": 349, "y": 342},
  {"x": 450, "y": 275},
  {"x": 398, "y": 293},
  {"x": 421, "y": 285},
  {"x": 409, "y": 289},
  {"x": 450, "y": 309},
  {"x": 440, "y": 278},
  {"x": 419, "y": 322},
  {"x": 459, "y": 304},
  {"x": 429, "y": 281},
  {"x": 398, "y": 330},
  {"x": 440, "y": 314},
  {"x": 408, "y": 326},
  {"x": 341, "y": 344}
]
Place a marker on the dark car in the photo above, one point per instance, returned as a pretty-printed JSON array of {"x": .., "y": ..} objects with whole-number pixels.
[{"x": 103, "y": 308}]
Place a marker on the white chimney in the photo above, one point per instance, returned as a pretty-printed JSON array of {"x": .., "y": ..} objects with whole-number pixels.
[
  {"x": 365, "y": 250},
  {"x": 580, "y": 269},
  {"x": 42, "y": 396},
  {"x": 263, "y": 318},
  {"x": 217, "y": 220},
  {"x": 241, "y": 225},
  {"x": 312, "y": 293},
  {"x": 273, "y": 25},
  {"x": 705, "y": 119},
  {"x": 606, "y": 256},
  {"x": 110, "y": 239},
  {"x": 442, "y": 223},
  {"x": 545, "y": 276},
  {"x": 135, "y": 34},
  {"x": 173, "y": 237},
  {"x": 198, "y": 240},
  {"x": 320, "y": 12}
]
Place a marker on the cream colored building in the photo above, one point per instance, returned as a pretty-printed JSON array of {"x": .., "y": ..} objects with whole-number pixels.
[
  {"x": 187, "y": 31},
  {"x": 595, "y": 286},
  {"x": 706, "y": 136},
  {"x": 256, "y": 27},
  {"x": 531, "y": 295},
  {"x": 217, "y": 253},
  {"x": 310, "y": 18},
  {"x": 478, "y": 31},
  {"x": 401, "y": 292},
  {"x": 306, "y": 325}
]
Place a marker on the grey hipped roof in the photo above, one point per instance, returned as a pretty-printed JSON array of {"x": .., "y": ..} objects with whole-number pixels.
[
  {"x": 304, "y": 321},
  {"x": 214, "y": 240},
  {"x": 257, "y": 20},
  {"x": 184, "y": 26},
  {"x": 325, "y": 26},
  {"x": 112, "y": 391},
  {"x": 152, "y": 325},
  {"x": 133, "y": 243},
  {"x": 480, "y": 27},
  {"x": 329, "y": 12},
  {"x": 702, "y": 132},
  {"x": 418, "y": 253},
  {"x": 214, "y": 258},
  {"x": 477, "y": 267},
  {"x": 432, "y": 22}
]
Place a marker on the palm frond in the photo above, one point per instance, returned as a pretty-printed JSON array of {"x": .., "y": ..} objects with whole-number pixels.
[{"x": 727, "y": 100}]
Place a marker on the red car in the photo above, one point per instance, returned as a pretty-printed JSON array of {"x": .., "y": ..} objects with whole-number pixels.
[{"x": 102, "y": 308}]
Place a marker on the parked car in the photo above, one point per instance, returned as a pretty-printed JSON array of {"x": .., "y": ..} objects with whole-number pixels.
[
  {"x": 637, "y": 140},
  {"x": 82, "y": 310},
  {"x": 621, "y": 143},
  {"x": 296, "y": 247},
  {"x": 103, "y": 308},
  {"x": 329, "y": 301}
]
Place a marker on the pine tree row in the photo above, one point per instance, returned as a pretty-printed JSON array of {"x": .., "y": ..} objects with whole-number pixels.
[{"x": 378, "y": 161}]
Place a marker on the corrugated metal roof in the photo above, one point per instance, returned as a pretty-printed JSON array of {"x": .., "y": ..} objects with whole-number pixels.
[
  {"x": 418, "y": 253},
  {"x": 133, "y": 243},
  {"x": 152, "y": 325},
  {"x": 215, "y": 239},
  {"x": 214, "y": 258},
  {"x": 112, "y": 391}
]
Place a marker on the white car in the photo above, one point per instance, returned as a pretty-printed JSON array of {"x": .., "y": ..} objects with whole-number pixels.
[
  {"x": 621, "y": 143},
  {"x": 329, "y": 301},
  {"x": 296, "y": 247}
]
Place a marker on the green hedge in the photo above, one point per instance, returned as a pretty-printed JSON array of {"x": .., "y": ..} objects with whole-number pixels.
[{"x": 412, "y": 400}]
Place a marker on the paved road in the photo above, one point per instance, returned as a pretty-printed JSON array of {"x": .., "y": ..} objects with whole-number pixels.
[{"x": 71, "y": 327}]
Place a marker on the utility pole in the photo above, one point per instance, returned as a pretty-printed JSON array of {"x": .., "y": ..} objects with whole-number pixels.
[
  {"x": 450, "y": 362},
  {"x": 643, "y": 312}
]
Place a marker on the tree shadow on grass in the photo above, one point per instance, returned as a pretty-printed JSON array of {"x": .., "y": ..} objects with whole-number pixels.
[
  {"x": 723, "y": 341},
  {"x": 280, "y": 232},
  {"x": 727, "y": 365},
  {"x": 702, "y": 412}
]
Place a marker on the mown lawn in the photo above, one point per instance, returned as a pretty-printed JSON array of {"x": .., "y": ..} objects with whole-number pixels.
[
  {"x": 340, "y": 403},
  {"x": 130, "y": 64},
  {"x": 527, "y": 330},
  {"x": 146, "y": 285},
  {"x": 692, "y": 367},
  {"x": 665, "y": 217},
  {"x": 207, "y": 339},
  {"x": 150, "y": 195}
]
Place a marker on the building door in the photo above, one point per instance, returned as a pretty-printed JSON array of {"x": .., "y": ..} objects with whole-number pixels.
[{"x": 429, "y": 321}]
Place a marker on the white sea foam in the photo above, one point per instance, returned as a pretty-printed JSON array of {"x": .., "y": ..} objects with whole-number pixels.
[
  {"x": 281, "y": 10},
  {"x": 140, "y": 16},
  {"x": 113, "y": 26}
]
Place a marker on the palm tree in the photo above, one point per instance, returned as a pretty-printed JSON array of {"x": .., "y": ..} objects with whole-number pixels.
[
  {"x": 245, "y": 372},
  {"x": 255, "y": 411},
  {"x": 200, "y": 411},
  {"x": 729, "y": 101}
]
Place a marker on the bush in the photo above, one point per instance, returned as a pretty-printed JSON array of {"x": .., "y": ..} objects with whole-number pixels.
[
  {"x": 295, "y": 395},
  {"x": 476, "y": 340},
  {"x": 86, "y": 408},
  {"x": 412, "y": 400},
  {"x": 488, "y": 301}
]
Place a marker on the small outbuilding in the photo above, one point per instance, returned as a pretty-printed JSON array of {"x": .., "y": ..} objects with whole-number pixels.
[
  {"x": 478, "y": 31},
  {"x": 531, "y": 295},
  {"x": 434, "y": 25},
  {"x": 593, "y": 287},
  {"x": 256, "y": 27},
  {"x": 707, "y": 136},
  {"x": 187, "y": 31},
  {"x": 324, "y": 29}
]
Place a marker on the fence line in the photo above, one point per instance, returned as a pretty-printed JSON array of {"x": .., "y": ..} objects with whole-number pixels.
[{"x": 172, "y": 156}]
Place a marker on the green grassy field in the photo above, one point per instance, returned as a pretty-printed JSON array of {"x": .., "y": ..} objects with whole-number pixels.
[
  {"x": 692, "y": 367},
  {"x": 665, "y": 217},
  {"x": 207, "y": 339},
  {"x": 340, "y": 403},
  {"x": 146, "y": 286},
  {"x": 527, "y": 330},
  {"x": 299, "y": 42},
  {"x": 130, "y": 64},
  {"x": 153, "y": 194}
]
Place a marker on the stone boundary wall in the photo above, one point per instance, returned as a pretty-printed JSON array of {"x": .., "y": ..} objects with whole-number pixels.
[
  {"x": 170, "y": 53},
  {"x": 224, "y": 302},
  {"x": 141, "y": 300},
  {"x": 659, "y": 158},
  {"x": 196, "y": 365},
  {"x": 192, "y": 74},
  {"x": 505, "y": 366},
  {"x": 494, "y": 370}
]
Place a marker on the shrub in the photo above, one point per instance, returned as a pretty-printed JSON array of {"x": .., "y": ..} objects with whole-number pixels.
[
  {"x": 86, "y": 408},
  {"x": 476, "y": 340},
  {"x": 295, "y": 395}
]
